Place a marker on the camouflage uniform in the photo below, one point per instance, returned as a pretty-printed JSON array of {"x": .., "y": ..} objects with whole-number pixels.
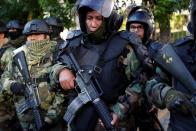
[
  {"x": 5, "y": 55},
  {"x": 14, "y": 33},
  {"x": 7, "y": 110},
  {"x": 162, "y": 95},
  {"x": 39, "y": 56},
  {"x": 134, "y": 102},
  {"x": 134, "y": 105},
  {"x": 18, "y": 41}
]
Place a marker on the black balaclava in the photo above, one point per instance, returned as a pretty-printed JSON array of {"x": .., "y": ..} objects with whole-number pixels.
[
  {"x": 55, "y": 32},
  {"x": 14, "y": 34}
]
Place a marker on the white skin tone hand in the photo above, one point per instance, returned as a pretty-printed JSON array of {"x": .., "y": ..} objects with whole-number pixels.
[
  {"x": 66, "y": 79},
  {"x": 115, "y": 119}
]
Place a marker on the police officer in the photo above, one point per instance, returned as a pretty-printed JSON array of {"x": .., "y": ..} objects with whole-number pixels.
[
  {"x": 8, "y": 120},
  {"x": 39, "y": 55},
  {"x": 182, "y": 110},
  {"x": 3, "y": 46},
  {"x": 55, "y": 27},
  {"x": 159, "y": 93},
  {"x": 99, "y": 46},
  {"x": 140, "y": 20},
  {"x": 15, "y": 33}
]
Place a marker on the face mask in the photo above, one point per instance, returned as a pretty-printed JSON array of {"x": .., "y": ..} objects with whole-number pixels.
[
  {"x": 14, "y": 35},
  {"x": 56, "y": 32}
]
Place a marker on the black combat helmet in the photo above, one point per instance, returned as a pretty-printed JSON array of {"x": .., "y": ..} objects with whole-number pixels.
[
  {"x": 105, "y": 8},
  {"x": 14, "y": 24},
  {"x": 54, "y": 21},
  {"x": 141, "y": 15},
  {"x": 2, "y": 27},
  {"x": 36, "y": 27},
  {"x": 55, "y": 25}
]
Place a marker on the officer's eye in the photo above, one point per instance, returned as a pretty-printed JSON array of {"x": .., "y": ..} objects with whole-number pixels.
[
  {"x": 89, "y": 17},
  {"x": 99, "y": 18}
]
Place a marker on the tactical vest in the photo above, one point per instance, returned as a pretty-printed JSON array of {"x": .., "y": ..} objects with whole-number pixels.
[{"x": 102, "y": 58}]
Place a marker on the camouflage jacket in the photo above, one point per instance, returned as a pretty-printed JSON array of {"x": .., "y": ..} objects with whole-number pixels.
[
  {"x": 18, "y": 42},
  {"x": 136, "y": 97},
  {"x": 5, "y": 56},
  {"x": 39, "y": 56},
  {"x": 7, "y": 110}
]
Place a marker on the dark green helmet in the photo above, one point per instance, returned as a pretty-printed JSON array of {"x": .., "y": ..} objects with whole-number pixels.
[
  {"x": 2, "y": 27},
  {"x": 36, "y": 27}
]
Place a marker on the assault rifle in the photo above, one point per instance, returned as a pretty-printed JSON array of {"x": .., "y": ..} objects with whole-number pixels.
[
  {"x": 30, "y": 92},
  {"x": 89, "y": 92}
]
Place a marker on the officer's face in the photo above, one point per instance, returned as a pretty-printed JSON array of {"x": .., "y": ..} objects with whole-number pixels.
[
  {"x": 2, "y": 35},
  {"x": 138, "y": 29},
  {"x": 93, "y": 20},
  {"x": 37, "y": 37}
]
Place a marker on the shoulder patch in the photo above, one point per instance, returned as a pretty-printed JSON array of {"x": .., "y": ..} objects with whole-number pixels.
[
  {"x": 73, "y": 34},
  {"x": 183, "y": 41}
]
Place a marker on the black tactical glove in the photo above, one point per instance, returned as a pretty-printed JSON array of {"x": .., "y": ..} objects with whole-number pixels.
[
  {"x": 17, "y": 88},
  {"x": 45, "y": 126},
  {"x": 177, "y": 102}
]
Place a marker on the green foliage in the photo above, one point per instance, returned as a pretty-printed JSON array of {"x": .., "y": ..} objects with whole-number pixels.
[
  {"x": 163, "y": 11},
  {"x": 178, "y": 21},
  {"x": 61, "y": 9},
  {"x": 177, "y": 35},
  {"x": 19, "y": 9},
  {"x": 163, "y": 8},
  {"x": 167, "y": 7},
  {"x": 29, "y": 9}
]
